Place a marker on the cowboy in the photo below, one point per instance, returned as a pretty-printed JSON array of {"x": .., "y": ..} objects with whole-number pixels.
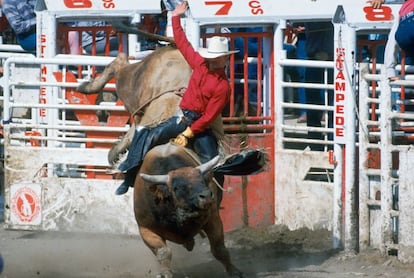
[{"x": 199, "y": 123}]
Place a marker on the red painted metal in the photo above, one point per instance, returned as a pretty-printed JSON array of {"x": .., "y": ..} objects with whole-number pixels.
[
  {"x": 63, "y": 30},
  {"x": 250, "y": 200}
]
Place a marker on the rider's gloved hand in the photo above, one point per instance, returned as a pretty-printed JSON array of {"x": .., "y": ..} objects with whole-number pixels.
[{"x": 182, "y": 138}]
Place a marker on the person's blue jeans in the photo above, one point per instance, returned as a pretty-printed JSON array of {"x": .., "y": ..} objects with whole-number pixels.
[
  {"x": 405, "y": 35},
  {"x": 27, "y": 42},
  {"x": 101, "y": 47},
  {"x": 315, "y": 96},
  {"x": 301, "y": 54}
]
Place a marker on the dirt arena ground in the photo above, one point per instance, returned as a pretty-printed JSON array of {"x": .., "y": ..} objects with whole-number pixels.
[{"x": 270, "y": 252}]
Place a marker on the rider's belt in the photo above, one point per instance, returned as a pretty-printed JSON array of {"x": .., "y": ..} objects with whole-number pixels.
[{"x": 189, "y": 117}]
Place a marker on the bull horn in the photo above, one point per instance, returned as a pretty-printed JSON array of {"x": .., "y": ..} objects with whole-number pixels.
[
  {"x": 163, "y": 179},
  {"x": 208, "y": 165}
]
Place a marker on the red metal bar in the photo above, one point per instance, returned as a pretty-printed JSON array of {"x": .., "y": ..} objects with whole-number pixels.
[
  {"x": 109, "y": 31},
  {"x": 245, "y": 77},
  {"x": 259, "y": 77}
]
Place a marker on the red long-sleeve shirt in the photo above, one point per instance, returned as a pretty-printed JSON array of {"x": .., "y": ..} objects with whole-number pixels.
[{"x": 208, "y": 91}]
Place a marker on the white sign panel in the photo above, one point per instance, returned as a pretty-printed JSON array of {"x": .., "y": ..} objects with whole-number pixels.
[
  {"x": 143, "y": 6},
  {"x": 365, "y": 16},
  {"x": 356, "y": 11},
  {"x": 26, "y": 204},
  {"x": 257, "y": 10}
]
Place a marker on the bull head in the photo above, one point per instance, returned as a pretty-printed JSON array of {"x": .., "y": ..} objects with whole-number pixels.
[
  {"x": 163, "y": 179},
  {"x": 187, "y": 185}
]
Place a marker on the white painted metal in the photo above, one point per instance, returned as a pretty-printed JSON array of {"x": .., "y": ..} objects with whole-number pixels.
[
  {"x": 406, "y": 206},
  {"x": 337, "y": 204},
  {"x": 296, "y": 197},
  {"x": 261, "y": 11},
  {"x": 381, "y": 221},
  {"x": 69, "y": 202},
  {"x": 97, "y": 8},
  {"x": 345, "y": 104},
  {"x": 364, "y": 177},
  {"x": 280, "y": 54},
  {"x": 386, "y": 164},
  {"x": 31, "y": 60},
  {"x": 350, "y": 19},
  {"x": 299, "y": 202}
]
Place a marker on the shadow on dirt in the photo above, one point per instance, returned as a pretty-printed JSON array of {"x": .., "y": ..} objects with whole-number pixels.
[
  {"x": 258, "y": 263},
  {"x": 260, "y": 253}
]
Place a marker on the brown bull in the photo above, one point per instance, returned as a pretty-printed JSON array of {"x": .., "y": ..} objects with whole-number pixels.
[
  {"x": 174, "y": 200},
  {"x": 149, "y": 89}
]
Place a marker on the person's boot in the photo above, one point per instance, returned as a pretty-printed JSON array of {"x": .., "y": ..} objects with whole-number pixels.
[
  {"x": 122, "y": 189},
  {"x": 129, "y": 180}
]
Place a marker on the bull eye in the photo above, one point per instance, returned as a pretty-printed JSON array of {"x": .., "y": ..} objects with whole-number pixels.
[{"x": 180, "y": 188}]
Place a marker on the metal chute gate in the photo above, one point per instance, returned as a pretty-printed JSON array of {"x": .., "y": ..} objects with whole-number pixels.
[
  {"x": 56, "y": 146},
  {"x": 376, "y": 178}
]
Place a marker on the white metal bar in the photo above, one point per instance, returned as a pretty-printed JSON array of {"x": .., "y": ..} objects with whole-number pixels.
[
  {"x": 62, "y": 139},
  {"x": 386, "y": 165},
  {"x": 309, "y": 141},
  {"x": 69, "y": 106},
  {"x": 337, "y": 238},
  {"x": 71, "y": 127},
  {"x": 308, "y": 85},
  {"x": 309, "y": 106},
  {"x": 306, "y": 63},
  {"x": 278, "y": 77},
  {"x": 347, "y": 39},
  {"x": 364, "y": 181}
]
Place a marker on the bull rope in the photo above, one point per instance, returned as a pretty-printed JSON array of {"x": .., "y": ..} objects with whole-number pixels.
[{"x": 179, "y": 92}]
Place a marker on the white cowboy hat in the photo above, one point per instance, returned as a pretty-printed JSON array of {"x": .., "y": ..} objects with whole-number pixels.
[{"x": 217, "y": 47}]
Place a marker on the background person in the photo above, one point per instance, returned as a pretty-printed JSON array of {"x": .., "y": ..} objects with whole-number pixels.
[
  {"x": 252, "y": 51},
  {"x": 169, "y": 6},
  {"x": 319, "y": 46},
  {"x": 89, "y": 41},
  {"x": 22, "y": 18},
  {"x": 402, "y": 32}
]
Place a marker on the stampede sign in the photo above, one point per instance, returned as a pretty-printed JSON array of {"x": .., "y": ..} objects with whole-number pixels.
[{"x": 26, "y": 204}]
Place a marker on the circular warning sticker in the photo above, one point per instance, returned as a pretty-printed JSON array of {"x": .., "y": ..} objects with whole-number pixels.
[{"x": 26, "y": 204}]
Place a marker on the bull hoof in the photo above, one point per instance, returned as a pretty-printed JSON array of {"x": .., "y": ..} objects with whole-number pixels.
[
  {"x": 165, "y": 274},
  {"x": 235, "y": 273},
  {"x": 189, "y": 245}
]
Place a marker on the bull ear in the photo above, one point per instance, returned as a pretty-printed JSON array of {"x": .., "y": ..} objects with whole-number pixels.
[
  {"x": 163, "y": 179},
  {"x": 208, "y": 165}
]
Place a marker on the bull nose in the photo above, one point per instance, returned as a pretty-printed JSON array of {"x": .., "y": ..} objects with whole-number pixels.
[
  {"x": 204, "y": 198},
  {"x": 206, "y": 194}
]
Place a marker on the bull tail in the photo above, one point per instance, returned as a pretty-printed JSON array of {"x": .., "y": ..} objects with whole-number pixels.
[{"x": 96, "y": 85}]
